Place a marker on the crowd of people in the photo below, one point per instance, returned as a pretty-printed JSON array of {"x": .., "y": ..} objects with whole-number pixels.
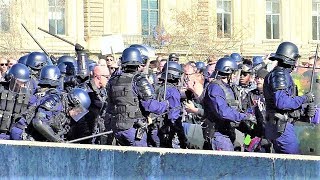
[{"x": 229, "y": 103}]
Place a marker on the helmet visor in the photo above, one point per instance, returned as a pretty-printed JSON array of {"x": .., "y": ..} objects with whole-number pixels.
[
  {"x": 78, "y": 112},
  {"x": 19, "y": 86}
]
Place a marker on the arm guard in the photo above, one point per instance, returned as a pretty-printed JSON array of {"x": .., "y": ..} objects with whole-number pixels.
[
  {"x": 278, "y": 80},
  {"x": 43, "y": 128},
  {"x": 144, "y": 88}
]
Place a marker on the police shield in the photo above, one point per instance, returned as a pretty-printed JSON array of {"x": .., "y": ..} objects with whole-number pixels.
[{"x": 309, "y": 138}]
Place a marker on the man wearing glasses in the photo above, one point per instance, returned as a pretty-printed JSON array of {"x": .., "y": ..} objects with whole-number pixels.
[{"x": 3, "y": 67}]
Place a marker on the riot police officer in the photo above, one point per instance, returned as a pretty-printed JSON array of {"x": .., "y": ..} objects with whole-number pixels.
[
  {"x": 171, "y": 127},
  {"x": 35, "y": 62},
  {"x": 56, "y": 110},
  {"x": 130, "y": 100},
  {"x": 221, "y": 107},
  {"x": 15, "y": 97},
  {"x": 283, "y": 106}
]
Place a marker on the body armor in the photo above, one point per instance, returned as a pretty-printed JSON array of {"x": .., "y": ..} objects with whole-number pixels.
[
  {"x": 12, "y": 105},
  {"x": 124, "y": 104},
  {"x": 216, "y": 124}
]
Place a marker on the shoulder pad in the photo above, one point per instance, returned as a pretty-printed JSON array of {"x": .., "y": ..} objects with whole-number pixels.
[
  {"x": 51, "y": 102},
  {"x": 144, "y": 88},
  {"x": 278, "y": 79}
]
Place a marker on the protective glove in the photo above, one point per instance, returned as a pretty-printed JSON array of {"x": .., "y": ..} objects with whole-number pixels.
[
  {"x": 295, "y": 114},
  {"x": 310, "y": 97},
  {"x": 311, "y": 109},
  {"x": 78, "y": 47},
  {"x": 247, "y": 124},
  {"x": 250, "y": 120}
]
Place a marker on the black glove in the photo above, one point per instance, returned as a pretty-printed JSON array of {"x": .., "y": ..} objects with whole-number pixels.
[
  {"x": 247, "y": 124},
  {"x": 310, "y": 97},
  {"x": 78, "y": 47},
  {"x": 250, "y": 120},
  {"x": 311, "y": 109},
  {"x": 295, "y": 114}
]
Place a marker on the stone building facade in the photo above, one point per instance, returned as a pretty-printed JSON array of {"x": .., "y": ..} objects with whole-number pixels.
[{"x": 190, "y": 27}]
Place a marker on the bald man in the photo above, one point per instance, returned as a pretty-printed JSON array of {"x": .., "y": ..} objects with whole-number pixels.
[
  {"x": 101, "y": 75},
  {"x": 93, "y": 121}
]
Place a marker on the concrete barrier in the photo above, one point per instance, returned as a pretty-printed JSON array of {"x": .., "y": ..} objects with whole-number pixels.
[{"x": 36, "y": 160}]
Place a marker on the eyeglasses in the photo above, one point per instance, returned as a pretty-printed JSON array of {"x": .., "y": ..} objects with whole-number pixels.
[
  {"x": 99, "y": 76},
  {"x": 4, "y": 64},
  {"x": 109, "y": 59}
]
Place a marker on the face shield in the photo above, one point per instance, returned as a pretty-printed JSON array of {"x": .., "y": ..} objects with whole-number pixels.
[
  {"x": 19, "y": 86},
  {"x": 77, "y": 111}
]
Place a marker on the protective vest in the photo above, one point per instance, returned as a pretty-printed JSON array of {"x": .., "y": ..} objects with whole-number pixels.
[
  {"x": 125, "y": 105},
  {"x": 222, "y": 126},
  {"x": 232, "y": 100},
  {"x": 12, "y": 105}
]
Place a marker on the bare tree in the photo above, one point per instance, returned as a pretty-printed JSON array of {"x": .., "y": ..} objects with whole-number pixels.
[{"x": 195, "y": 34}]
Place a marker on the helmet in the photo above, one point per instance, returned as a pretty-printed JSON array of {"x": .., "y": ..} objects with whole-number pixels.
[
  {"x": 66, "y": 59},
  {"x": 131, "y": 56},
  {"x": 173, "y": 57},
  {"x": 174, "y": 71},
  {"x": 91, "y": 64},
  {"x": 236, "y": 57},
  {"x": 287, "y": 52},
  {"x": 79, "y": 96},
  {"x": 143, "y": 50},
  {"x": 37, "y": 60},
  {"x": 67, "y": 68},
  {"x": 224, "y": 67},
  {"x": 80, "y": 102},
  {"x": 18, "y": 75},
  {"x": 200, "y": 65},
  {"x": 49, "y": 75},
  {"x": 257, "y": 60},
  {"x": 23, "y": 59}
]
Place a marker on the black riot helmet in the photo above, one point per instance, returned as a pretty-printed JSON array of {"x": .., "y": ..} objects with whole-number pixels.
[
  {"x": 174, "y": 71},
  {"x": 131, "y": 57},
  {"x": 18, "y": 77},
  {"x": 224, "y": 67},
  {"x": 63, "y": 59},
  {"x": 50, "y": 75},
  {"x": 287, "y": 53},
  {"x": 174, "y": 57},
  {"x": 143, "y": 50}
]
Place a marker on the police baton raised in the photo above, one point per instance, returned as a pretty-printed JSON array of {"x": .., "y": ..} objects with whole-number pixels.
[
  {"x": 89, "y": 137},
  {"x": 53, "y": 59},
  {"x": 56, "y": 36},
  {"x": 313, "y": 68}
]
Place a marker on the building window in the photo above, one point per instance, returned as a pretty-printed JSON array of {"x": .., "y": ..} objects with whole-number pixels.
[
  {"x": 57, "y": 20},
  {"x": 316, "y": 19},
  {"x": 223, "y": 18},
  {"x": 4, "y": 15},
  {"x": 272, "y": 19},
  {"x": 149, "y": 16}
]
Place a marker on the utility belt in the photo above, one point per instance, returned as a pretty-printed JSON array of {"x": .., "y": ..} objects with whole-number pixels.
[
  {"x": 279, "y": 119},
  {"x": 224, "y": 127}
]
